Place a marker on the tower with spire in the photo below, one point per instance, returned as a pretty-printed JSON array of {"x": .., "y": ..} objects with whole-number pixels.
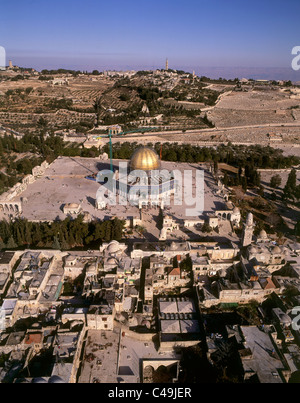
[{"x": 167, "y": 65}]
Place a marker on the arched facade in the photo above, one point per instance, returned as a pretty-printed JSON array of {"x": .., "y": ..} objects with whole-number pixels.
[{"x": 11, "y": 207}]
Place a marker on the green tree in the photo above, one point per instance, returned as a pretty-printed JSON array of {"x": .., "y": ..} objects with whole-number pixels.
[
  {"x": 56, "y": 245},
  {"x": 11, "y": 244},
  {"x": 292, "y": 179},
  {"x": 290, "y": 188},
  {"x": 42, "y": 123},
  {"x": 98, "y": 109},
  {"x": 275, "y": 181},
  {"x": 206, "y": 228}
]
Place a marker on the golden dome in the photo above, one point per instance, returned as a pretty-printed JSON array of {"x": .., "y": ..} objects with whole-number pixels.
[{"x": 144, "y": 159}]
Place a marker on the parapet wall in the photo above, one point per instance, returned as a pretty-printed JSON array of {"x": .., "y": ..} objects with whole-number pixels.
[{"x": 6, "y": 199}]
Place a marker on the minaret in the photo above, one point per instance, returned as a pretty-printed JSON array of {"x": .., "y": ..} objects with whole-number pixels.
[
  {"x": 167, "y": 65},
  {"x": 248, "y": 230}
]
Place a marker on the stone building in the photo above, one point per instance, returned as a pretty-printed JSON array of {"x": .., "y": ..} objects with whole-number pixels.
[
  {"x": 178, "y": 323},
  {"x": 73, "y": 267},
  {"x": 72, "y": 208},
  {"x": 248, "y": 231},
  {"x": 267, "y": 254},
  {"x": 229, "y": 212},
  {"x": 166, "y": 249},
  {"x": 100, "y": 317}
]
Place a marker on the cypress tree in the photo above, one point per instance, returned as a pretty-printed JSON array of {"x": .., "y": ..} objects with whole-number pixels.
[
  {"x": 11, "y": 244},
  {"x": 56, "y": 245}
]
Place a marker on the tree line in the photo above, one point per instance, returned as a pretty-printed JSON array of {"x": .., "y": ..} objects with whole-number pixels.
[
  {"x": 43, "y": 148},
  {"x": 66, "y": 234},
  {"x": 245, "y": 177},
  {"x": 239, "y": 156}
]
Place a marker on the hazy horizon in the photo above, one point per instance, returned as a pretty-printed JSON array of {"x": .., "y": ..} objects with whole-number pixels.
[
  {"x": 250, "y": 39},
  {"x": 214, "y": 72}
]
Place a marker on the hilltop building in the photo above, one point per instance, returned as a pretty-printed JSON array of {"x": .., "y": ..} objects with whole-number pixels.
[{"x": 167, "y": 65}]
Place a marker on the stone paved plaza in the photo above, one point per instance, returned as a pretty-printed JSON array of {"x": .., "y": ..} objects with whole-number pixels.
[{"x": 65, "y": 182}]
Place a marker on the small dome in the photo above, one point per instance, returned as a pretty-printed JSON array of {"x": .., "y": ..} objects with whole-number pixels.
[
  {"x": 113, "y": 247},
  {"x": 263, "y": 234},
  {"x": 276, "y": 249},
  {"x": 236, "y": 210},
  {"x": 144, "y": 159}
]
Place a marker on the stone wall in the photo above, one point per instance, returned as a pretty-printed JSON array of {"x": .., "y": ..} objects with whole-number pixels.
[{"x": 6, "y": 200}]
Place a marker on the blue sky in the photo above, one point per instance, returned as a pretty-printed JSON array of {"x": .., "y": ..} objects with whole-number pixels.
[{"x": 141, "y": 34}]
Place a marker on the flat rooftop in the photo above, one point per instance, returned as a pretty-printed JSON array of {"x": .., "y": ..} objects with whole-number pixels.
[
  {"x": 264, "y": 362},
  {"x": 33, "y": 338},
  {"x": 179, "y": 326},
  {"x": 162, "y": 246},
  {"x": 114, "y": 357},
  {"x": 176, "y": 305},
  {"x": 15, "y": 338},
  {"x": 6, "y": 257},
  {"x": 170, "y": 326},
  {"x": 100, "y": 359},
  {"x": 133, "y": 353}
]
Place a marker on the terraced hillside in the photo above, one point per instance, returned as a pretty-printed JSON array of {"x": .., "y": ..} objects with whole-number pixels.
[
  {"x": 168, "y": 100},
  {"x": 268, "y": 106}
]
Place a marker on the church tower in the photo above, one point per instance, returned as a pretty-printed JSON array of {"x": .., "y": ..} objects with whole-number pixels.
[
  {"x": 248, "y": 230},
  {"x": 167, "y": 65}
]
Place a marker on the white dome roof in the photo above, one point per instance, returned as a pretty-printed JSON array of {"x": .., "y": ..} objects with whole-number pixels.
[{"x": 113, "y": 247}]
